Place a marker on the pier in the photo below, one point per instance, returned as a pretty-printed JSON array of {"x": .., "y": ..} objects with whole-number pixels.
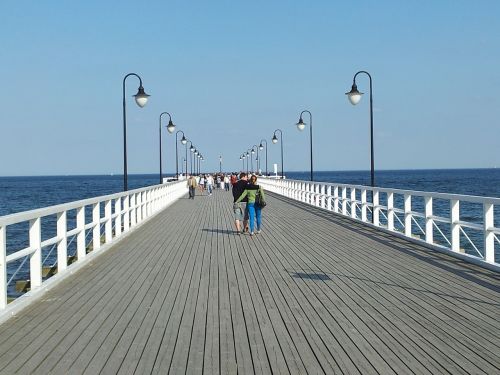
[{"x": 317, "y": 292}]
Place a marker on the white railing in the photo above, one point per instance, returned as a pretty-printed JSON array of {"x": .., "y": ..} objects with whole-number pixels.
[
  {"x": 461, "y": 224},
  {"x": 102, "y": 220}
]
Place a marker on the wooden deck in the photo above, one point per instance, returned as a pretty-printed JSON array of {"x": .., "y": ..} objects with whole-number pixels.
[{"x": 314, "y": 293}]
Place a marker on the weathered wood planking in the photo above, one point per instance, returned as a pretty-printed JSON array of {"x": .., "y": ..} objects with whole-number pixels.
[{"x": 314, "y": 293}]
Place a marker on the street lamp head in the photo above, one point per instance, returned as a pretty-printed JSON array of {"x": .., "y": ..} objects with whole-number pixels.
[
  {"x": 191, "y": 148},
  {"x": 253, "y": 151},
  {"x": 170, "y": 127},
  {"x": 301, "y": 125},
  {"x": 196, "y": 152},
  {"x": 354, "y": 95},
  {"x": 141, "y": 98},
  {"x": 248, "y": 154},
  {"x": 275, "y": 139},
  {"x": 261, "y": 147},
  {"x": 184, "y": 140}
]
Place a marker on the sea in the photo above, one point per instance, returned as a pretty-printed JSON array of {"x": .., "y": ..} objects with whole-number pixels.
[{"x": 19, "y": 194}]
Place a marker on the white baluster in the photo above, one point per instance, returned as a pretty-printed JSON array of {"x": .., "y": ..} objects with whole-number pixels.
[
  {"x": 336, "y": 199},
  {"x": 329, "y": 197},
  {"x": 3, "y": 268},
  {"x": 363, "y": 204},
  {"x": 455, "y": 226},
  {"x": 408, "y": 215},
  {"x": 353, "y": 203},
  {"x": 429, "y": 221},
  {"x": 80, "y": 237},
  {"x": 36, "y": 257},
  {"x": 489, "y": 237},
  {"x": 96, "y": 230},
  {"x": 126, "y": 213},
  {"x": 390, "y": 211},
  {"x": 344, "y": 200},
  {"x": 118, "y": 217},
  {"x": 108, "y": 224},
  {"x": 376, "y": 207},
  {"x": 62, "y": 245}
]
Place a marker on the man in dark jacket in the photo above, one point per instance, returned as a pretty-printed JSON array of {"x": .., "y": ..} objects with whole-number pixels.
[{"x": 240, "y": 213}]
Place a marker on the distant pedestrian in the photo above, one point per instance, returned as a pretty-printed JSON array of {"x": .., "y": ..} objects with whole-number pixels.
[
  {"x": 202, "y": 183},
  {"x": 191, "y": 182},
  {"x": 254, "y": 210},
  {"x": 209, "y": 181},
  {"x": 226, "y": 182}
]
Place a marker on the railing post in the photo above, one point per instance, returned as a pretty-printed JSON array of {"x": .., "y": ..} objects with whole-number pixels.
[
  {"x": 353, "y": 202},
  {"x": 3, "y": 268},
  {"x": 126, "y": 213},
  {"x": 489, "y": 236},
  {"x": 62, "y": 245},
  {"x": 408, "y": 215},
  {"x": 344, "y": 200},
  {"x": 108, "y": 224},
  {"x": 133, "y": 212},
  {"x": 363, "y": 204},
  {"x": 329, "y": 198},
  {"x": 323, "y": 192},
  {"x": 118, "y": 216},
  {"x": 376, "y": 207},
  {"x": 36, "y": 257},
  {"x": 336, "y": 199},
  {"x": 96, "y": 229},
  {"x": 80, "y": 237},
  {"x": 455, "y": 225},
  {"x": 429, "y": 221},
  {"x": 390, "y": 211}
]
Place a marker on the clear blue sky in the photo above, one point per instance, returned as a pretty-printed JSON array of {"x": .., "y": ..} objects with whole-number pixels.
[{"x": 230, "y": 72}]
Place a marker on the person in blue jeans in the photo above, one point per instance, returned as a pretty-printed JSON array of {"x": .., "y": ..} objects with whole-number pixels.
[{"x": 254, "y": 212}]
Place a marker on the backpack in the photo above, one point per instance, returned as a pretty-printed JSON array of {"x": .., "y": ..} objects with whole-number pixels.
[{"x": 259, "y": 200}]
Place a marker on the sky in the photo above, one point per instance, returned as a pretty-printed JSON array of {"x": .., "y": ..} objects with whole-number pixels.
[{"x": 231, "y": 72}]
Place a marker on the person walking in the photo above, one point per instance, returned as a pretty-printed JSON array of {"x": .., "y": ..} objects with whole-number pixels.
[
  {"x": 254, "y": 211},
  {"x": 191, "y": 182},
  {"x": 240, "y": 213},
  {"x": 209, "y": 181},
  {"x": 226, "y": 182},
  {"x": 202, "y": 183}
]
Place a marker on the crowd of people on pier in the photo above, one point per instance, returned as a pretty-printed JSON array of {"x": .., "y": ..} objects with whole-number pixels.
[{"x": 248, "y": 197}]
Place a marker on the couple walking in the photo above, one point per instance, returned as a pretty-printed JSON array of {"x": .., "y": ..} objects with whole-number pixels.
[{"x": 253, "y": 195}]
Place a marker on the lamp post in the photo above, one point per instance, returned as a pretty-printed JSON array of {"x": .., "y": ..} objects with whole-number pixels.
[
  {"x": 183, "y": 141},
  {"x": 257, "y": 158},
  {"x": 301, "y": 125},
  {"x": 275, "y": 140},
  {"x": 243, "y": 161},
  {"x": 354, "y": 97},
  {"x": 170, "y": 129},
  {"x": 261, "y": 148},
  {"x": 141, "y": 98},
  {"x": 220, "y": 163},
  {"x": 249, "y": 155},
  {"x": 191, "y": 149},
  {"x": 194, "y": 154}
]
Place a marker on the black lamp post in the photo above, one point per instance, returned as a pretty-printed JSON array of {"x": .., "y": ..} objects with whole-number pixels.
[
  {"x": 170, "y": 129},
  {"x": 261, "y": 148},
  {"x": 275, "y": 140},
  {"x": 249, "y": 155},
  {"x": 220, "y": 163},
  {"x": 301, "y": 126},
  {"x": 256, "y": 148},
  {"x": 354, "y": 97},
  {"x": 141, "y": 98},
  {"x": 243, "y": 161},
  {"x": 183, "y": 141},
  {"x": 191, "y": 149}
]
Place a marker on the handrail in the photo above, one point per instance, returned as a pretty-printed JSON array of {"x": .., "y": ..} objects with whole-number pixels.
[
  {"x": 400, "y": 216},
  {"x": 122, "y": 212}
]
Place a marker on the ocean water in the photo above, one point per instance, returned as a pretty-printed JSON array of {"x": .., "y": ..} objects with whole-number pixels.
[{"x": 19, "y": 194}]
